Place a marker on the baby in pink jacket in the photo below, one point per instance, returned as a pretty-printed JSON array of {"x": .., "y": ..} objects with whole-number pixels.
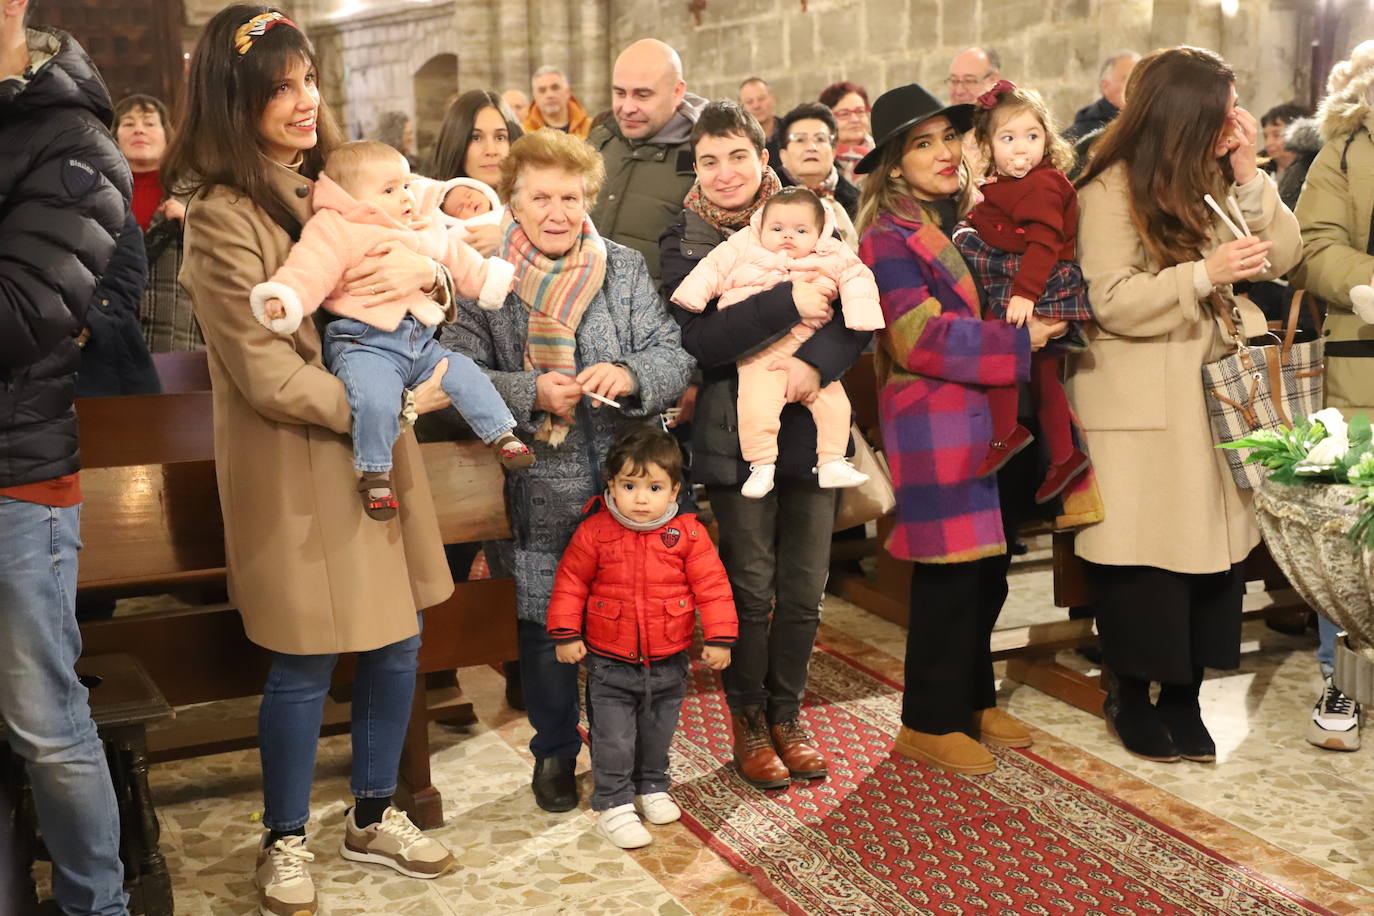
[
  {"x": 363, "y": 199},
  {"x": 791, "y": 237}
]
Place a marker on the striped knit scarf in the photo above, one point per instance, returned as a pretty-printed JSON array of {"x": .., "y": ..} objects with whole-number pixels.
[
  {"x": 728, "y": 221},
  {"x": 557, "y": 293}
]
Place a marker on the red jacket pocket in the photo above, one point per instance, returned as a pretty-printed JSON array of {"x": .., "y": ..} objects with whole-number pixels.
[{"x": 604, "y": 624}]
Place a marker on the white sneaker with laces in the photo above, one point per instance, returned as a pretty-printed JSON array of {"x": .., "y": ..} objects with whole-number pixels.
[
  {"x": 839, "y": 474},
  {"x": 396, "y": 843},
  {"x": 284, "y": 885},
  {"x": 760, "y": 481},
  {"x": 657, "y": 808},
  {"x": 1335, "y": 722},
  {"x": 621, "y": 826}
]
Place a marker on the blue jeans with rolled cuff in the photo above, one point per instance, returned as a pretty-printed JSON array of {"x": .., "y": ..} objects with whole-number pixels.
[{"x": 377, "y": 367}]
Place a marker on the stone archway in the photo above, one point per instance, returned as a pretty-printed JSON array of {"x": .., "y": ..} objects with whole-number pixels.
[{"x": 435, "y": 83}]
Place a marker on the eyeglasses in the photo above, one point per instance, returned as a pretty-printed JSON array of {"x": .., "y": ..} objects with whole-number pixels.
[
  {"x": 968, "y": 82},
  {"x": 850, "y": 114},
  {"x": 818, "y": 139}
]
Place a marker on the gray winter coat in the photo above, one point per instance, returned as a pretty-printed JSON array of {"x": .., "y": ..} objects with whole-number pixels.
[{"x": 626, "y": 324}]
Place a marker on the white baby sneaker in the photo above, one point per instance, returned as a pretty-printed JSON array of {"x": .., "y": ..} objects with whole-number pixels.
[
  {"x": 621, "y": 826},
  {"x": 657, "y": 808},
  {"x": 760, "y": 481},
  {"x": 838, "y": 474}
]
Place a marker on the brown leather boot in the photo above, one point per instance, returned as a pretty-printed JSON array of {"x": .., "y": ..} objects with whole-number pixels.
[
  {"x": 755, "y": 758},
  {"x": 798, "y": 749}
]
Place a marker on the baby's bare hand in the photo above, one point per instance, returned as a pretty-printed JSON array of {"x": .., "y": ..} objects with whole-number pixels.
[
  {"x": 717, "y": 658},
  {"x": 275, "y": 309}
]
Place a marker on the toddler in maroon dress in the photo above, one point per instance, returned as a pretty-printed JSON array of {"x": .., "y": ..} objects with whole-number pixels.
[{"x": 1020, "y": 243}]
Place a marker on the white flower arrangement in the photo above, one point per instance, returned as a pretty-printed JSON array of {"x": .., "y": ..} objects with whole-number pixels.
[{"x": 1322, "y": 450}]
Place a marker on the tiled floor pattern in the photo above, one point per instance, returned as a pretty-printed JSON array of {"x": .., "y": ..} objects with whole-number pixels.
[{"x": 1297, "y": 814}]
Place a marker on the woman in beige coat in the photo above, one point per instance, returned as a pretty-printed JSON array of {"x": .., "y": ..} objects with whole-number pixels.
[
  {"x": 1165, "y": 563},
  {"x": 311, "y": 575}
]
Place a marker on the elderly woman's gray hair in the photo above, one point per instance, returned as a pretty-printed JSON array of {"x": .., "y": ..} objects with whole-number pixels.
[
  {"x": 391, "y": 130},
  {"x": 547, "y": 148}
]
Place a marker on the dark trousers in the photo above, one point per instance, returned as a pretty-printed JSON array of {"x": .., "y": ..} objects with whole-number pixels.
[
  {"x": 954, "y": 607},
  {"x": 550, "y": 694},
  {"x": 776, "y": 551},
  {"x": 1163, "y": 626},
  {"x": 633, "y": 712}
]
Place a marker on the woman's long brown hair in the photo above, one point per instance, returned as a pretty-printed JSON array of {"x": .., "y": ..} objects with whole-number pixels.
[
  {"x": 219, "y": 142},
  {"x": 455, "y": 134},
  {"x": 1176, "y": 105}
]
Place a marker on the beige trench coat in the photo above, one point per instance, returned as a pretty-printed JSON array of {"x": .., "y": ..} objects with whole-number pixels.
[
  {"x": 310, "y": 572},
  {"x": 1168, "y": 497}
]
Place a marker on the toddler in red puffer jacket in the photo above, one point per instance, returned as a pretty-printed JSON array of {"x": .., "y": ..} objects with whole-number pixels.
[{"x": 628, "y": 588}]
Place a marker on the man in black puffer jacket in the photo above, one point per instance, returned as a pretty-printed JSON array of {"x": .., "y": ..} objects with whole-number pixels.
[{"x": 64, "y": 192}]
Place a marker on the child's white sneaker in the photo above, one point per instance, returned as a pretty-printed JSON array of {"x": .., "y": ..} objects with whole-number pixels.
[
  {"x": 839, "y": 474},
  {"x": 760, "y": 481},
  {"x": 657, "y": 808},
  {"x": 621, "y": 826}
]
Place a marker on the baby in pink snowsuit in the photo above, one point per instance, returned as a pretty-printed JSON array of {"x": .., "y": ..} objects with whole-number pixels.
[
  {"x": 791, "y": 237},
  {"x": 363, "y": 199}
]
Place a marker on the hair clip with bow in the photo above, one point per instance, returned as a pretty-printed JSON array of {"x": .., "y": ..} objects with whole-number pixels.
[{"x": 988, "y": 100}]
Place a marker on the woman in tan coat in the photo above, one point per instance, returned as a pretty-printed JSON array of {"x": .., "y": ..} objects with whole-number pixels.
[
  {"x": 311, "y": 575},
  {"x": 1165, "y": 563}
]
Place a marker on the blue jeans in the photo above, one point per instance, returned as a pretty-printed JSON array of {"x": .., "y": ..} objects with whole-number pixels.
[
  {"x": 46, "y": 710},
  {"x": 632, "y": 711},
  {"x": 550, "y": 694},
  {"x": 1326, "y": 647},
  {"x": 377, "y": 367},
  {"x": 289, "y": 726}
]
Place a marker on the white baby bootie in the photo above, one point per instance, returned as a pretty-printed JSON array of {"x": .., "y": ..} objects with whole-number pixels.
[
  {"x": 657, "y": 808},
  {"x": 621, "y": 826},
  {"x": 1362, "y": 302},
  {"x": 760, "y": 481},
  {"x": 839, "y": 474}
]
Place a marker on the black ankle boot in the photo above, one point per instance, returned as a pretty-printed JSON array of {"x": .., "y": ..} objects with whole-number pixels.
[
  {"x": 1179, "y": 711},
  {"x": 554, "y": 785},
  {"x": 1134, "y": 720}
]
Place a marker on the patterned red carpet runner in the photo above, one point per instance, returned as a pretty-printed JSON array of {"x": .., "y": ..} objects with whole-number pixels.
[{"x": 884, "y": 835}]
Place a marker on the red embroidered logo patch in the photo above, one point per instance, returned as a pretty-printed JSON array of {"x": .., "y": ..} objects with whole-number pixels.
[{"x": 670, "y": 537}]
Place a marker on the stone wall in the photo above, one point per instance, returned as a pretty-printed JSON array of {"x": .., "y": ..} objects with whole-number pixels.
[{"x": 373, "y": 49}]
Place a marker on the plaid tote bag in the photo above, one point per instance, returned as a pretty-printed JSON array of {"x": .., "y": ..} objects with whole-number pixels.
[{"x": 1260, "y": 387}]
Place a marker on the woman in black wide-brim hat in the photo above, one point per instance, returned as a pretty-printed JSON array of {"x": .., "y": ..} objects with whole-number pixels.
[{"x": 935, "y": 360}]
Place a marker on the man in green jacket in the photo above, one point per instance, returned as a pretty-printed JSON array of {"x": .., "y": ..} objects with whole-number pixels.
[
  {"x": 646, "y": 148},
  {"x": 1334, "y": 212}
]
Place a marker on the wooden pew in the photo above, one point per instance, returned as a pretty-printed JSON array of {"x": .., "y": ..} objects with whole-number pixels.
[{"x": 151, "y": 523}]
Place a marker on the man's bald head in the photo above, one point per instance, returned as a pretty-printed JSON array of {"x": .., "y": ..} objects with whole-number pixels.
[
  {"x": 646, "y": 88},
  {"x": 971, "y": 73}
]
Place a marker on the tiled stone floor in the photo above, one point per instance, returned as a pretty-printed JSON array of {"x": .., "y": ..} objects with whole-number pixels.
[{"x": 1297, "y": 814}]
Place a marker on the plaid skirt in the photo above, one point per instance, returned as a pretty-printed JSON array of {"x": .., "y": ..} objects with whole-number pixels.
[{"x": 1066, "y": 293}]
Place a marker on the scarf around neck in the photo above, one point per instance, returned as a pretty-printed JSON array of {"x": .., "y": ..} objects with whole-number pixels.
[
  {"x": 668, "y": 515},
  {"x": 826, "y": 189},
  {"x": 728, "y": 221},
  {"x": 557, "y": 293}
]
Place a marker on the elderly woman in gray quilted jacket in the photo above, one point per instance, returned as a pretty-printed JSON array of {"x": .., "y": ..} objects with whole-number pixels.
[{"x": 582, "y": 325}]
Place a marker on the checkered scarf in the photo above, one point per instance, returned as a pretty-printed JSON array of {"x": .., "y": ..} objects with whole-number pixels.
[{"x": 557, "y": 293}]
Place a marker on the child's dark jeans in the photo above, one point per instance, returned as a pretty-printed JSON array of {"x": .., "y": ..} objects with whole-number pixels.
[{"x": 633, "y": 711}]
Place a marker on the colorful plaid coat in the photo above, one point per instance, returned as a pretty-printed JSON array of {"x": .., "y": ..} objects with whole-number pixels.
[{"x": 935, "y": 360}]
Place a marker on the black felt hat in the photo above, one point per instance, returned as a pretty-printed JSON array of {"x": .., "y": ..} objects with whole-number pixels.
[{"x": 898, "y": 110}]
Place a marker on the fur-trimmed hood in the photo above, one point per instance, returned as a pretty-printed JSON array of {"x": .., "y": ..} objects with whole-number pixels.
[
  {"x": 1347, "y": 103},
  {"x": 1303, "y": 136}
]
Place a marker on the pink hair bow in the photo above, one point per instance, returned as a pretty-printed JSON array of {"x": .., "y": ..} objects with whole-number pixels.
[{"x": 988, "y": 100}]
